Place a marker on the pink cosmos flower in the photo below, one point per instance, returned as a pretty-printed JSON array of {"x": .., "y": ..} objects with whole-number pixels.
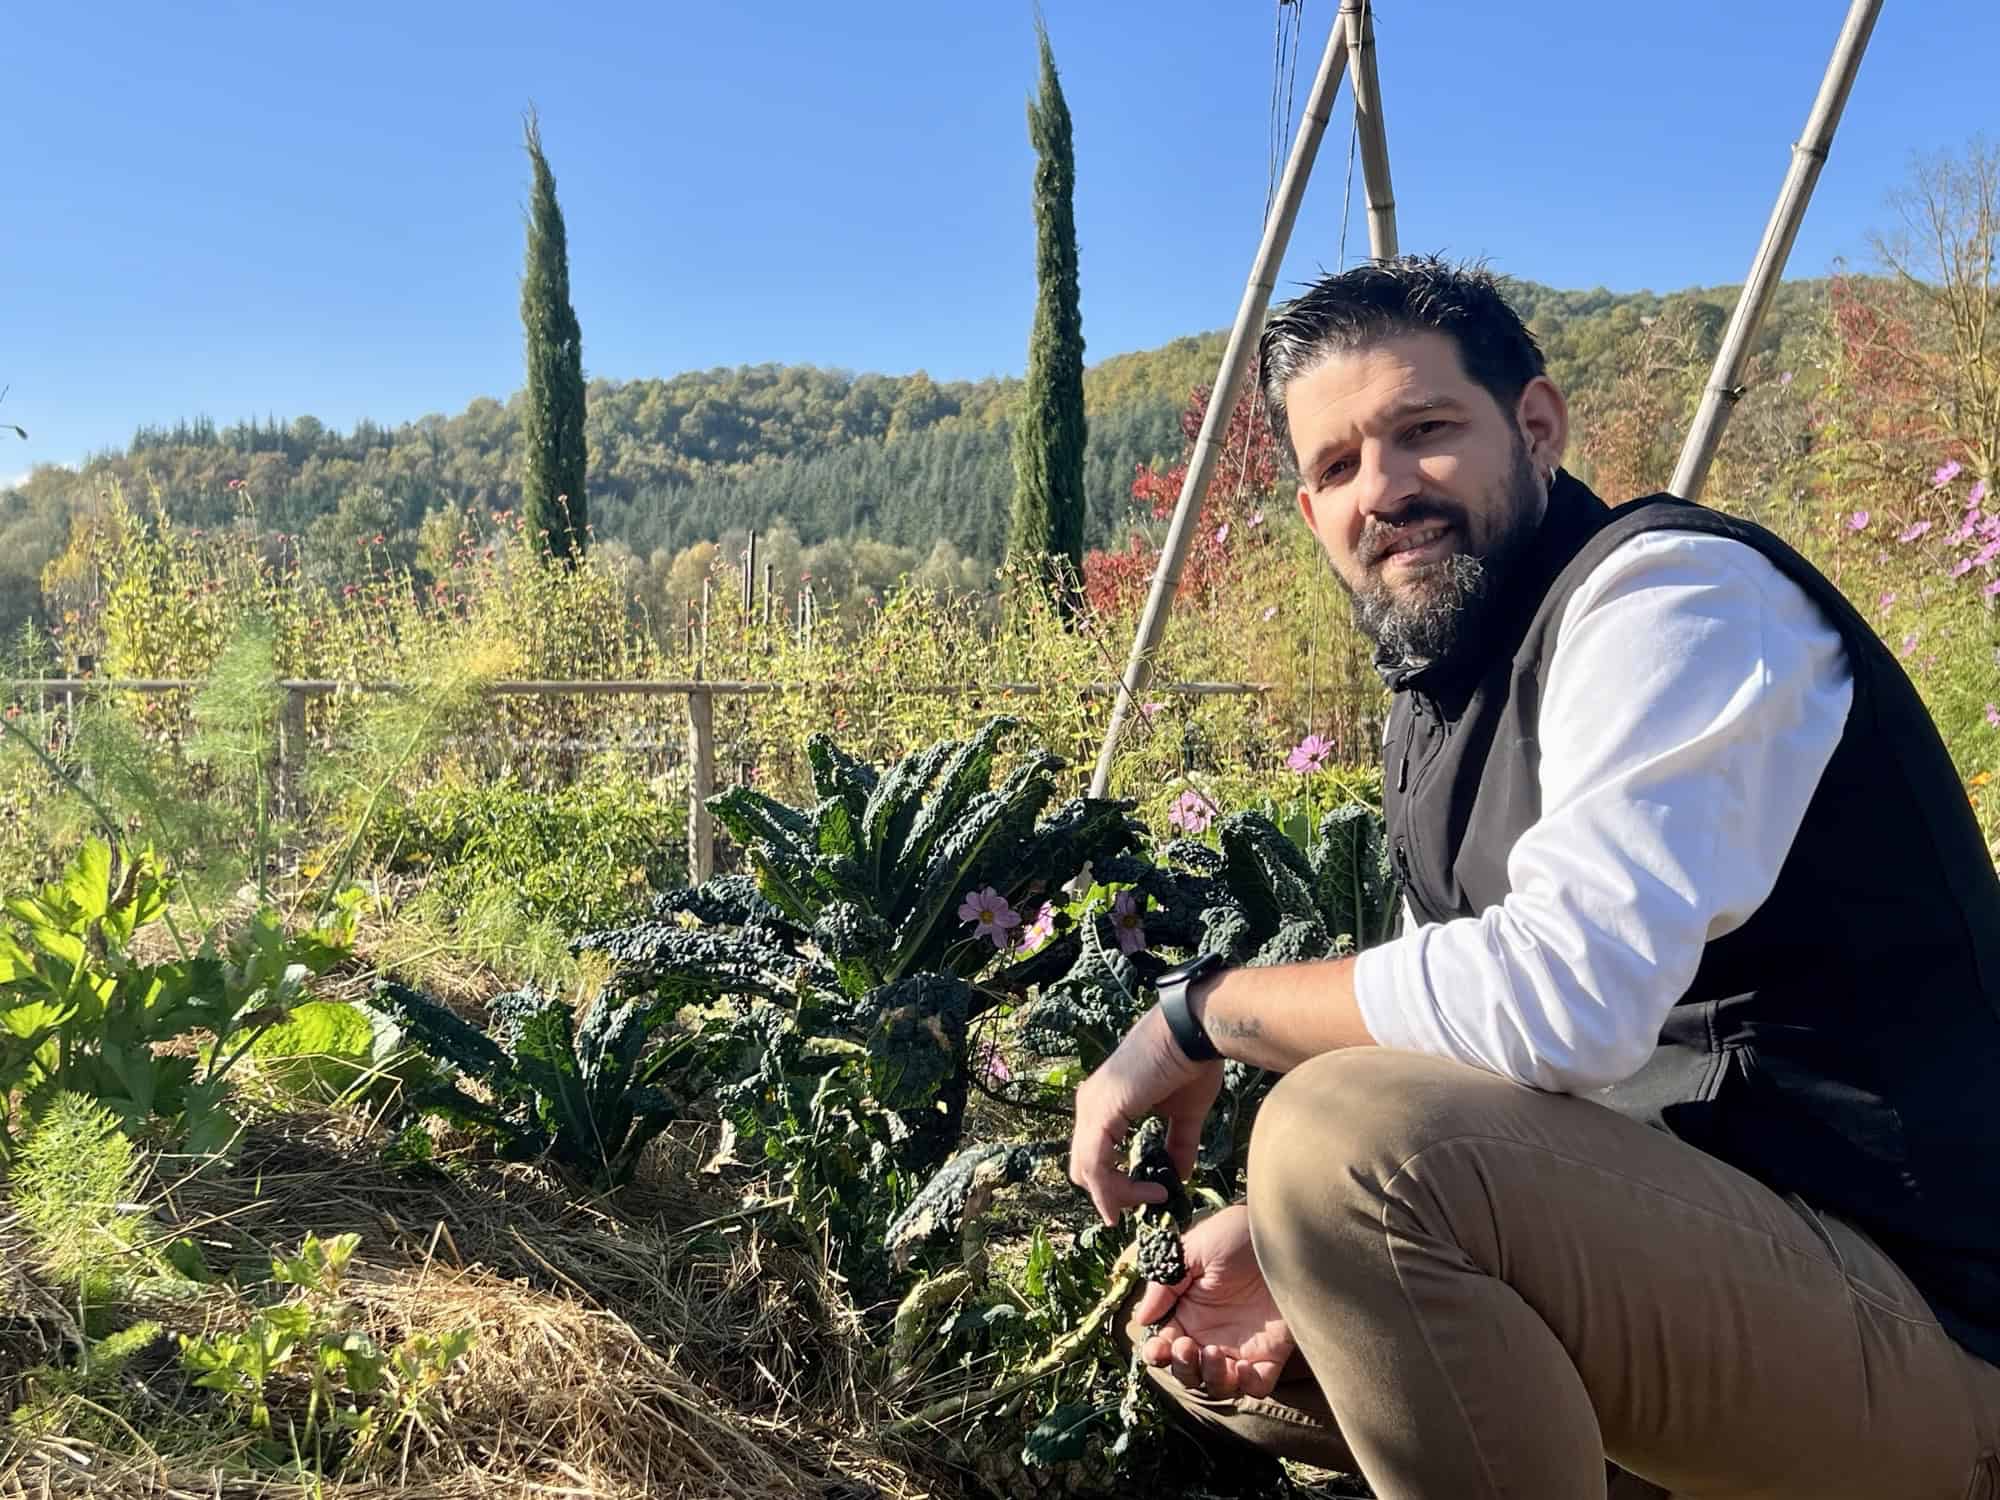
[
  {"x": 1912, "y": 532},
  {"x": 1960, "y": 568},
  {"x": 1886, "y": 600},
  {"x": 1947, "y": 471},
  {"x": 1786, "y": 378},
  {"x": 1993, "y": 715},
  {"x": 1038, "y": 931},
  {"x": 1976, "y": 494},
  {"x": 1222, "y": 533},
  {"x": 1986, "y": 554},
  {"x": 1309, "y": 754},
  {"x": 1271, "y": 613},
  {"x": 1858, "y": 521},
  {"x": 987, "y": 910},
  {"x": 1256, "y": 519},
  {"x": 1909, "y": 644},
  {"x": 1191, "y": 812},
  {"x": 1149, "y": 709},
  {"x": 1125, "y": 922}
]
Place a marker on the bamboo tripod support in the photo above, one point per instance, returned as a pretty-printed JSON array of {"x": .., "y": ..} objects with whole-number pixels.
[
  {"x": 1350, "y": 46},
  {"x": 1809, "y": 153}
]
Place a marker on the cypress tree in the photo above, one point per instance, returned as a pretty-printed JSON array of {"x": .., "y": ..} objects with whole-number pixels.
[
  {"x": 552, "y": 466},
  {"x": 1045, "y": 529}
]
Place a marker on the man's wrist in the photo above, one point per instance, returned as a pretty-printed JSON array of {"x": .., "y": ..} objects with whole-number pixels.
[{"x": 1224, "y": 1028}]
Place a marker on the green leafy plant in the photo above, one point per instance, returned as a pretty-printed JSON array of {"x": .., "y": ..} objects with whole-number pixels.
[
  {"x": 79, "y": 1010},
  {"x": 584, "y": 855},
  {"x": 358, "y": 1397},
  {"x": 584, "y": 1092}
]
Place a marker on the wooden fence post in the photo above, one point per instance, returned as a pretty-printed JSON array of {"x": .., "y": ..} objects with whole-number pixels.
[
  {"x": 701, "y": 771},
  {"x": 291, "y": 751}
]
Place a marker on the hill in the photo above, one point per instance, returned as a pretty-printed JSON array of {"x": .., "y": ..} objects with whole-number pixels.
[{"x": 904, "y": 460}]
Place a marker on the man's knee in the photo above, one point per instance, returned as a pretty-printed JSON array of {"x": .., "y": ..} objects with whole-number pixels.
[{"x": 1333, "y": 1135}]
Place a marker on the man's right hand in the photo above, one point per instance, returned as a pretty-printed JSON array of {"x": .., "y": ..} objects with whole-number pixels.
[{"x": 1221, "y": 1332}]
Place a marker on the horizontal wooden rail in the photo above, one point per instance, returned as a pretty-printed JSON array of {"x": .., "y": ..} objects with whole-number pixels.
[{"x": 700, "y": 694}]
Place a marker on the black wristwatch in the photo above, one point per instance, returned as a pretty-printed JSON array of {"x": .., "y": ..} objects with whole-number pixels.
[{"x": 1172, "y": 988}]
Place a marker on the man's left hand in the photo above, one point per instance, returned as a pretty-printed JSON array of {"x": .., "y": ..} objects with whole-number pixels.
[{"x": 1148, "y": 1074}]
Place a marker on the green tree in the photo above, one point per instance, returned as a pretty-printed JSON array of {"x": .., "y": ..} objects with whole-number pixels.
[
  {"x": 553, "y": 457},
  {"x": 1045, "y": 529}
]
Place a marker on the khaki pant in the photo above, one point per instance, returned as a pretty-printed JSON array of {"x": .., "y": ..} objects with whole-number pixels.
[{"x": 1495, "y": 1290}]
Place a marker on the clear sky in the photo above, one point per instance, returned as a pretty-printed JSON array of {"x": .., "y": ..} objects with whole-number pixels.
[{"x": 235, "y": 209}]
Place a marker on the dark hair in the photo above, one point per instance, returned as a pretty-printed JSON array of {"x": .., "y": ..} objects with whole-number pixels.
[{"x": 1389, "y": 298}]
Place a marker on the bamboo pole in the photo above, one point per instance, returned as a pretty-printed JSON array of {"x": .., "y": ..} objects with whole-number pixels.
[
  {"x": 1222, "y": 399},
  {"x": 1359, "y": 16},
  {"x": 701, "y": 776},
  {"x": 1725, "y": 381}
]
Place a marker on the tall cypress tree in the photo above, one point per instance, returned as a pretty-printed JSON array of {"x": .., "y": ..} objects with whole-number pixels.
[
  {"x": 552, "y": 465},
  {"x": 1045, "y": 530}
]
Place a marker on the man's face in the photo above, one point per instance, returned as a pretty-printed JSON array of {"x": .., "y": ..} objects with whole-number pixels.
[{"x": 1420, "y": 488}]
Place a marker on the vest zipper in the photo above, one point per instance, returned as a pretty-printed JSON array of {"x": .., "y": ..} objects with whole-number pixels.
[{"x": 1409, "y": 740}]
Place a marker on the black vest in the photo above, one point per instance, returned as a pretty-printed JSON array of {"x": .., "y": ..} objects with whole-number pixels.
[{"x": 1844, "y": 1043}]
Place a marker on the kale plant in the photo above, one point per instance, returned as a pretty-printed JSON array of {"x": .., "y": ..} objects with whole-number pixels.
[{"x": 586, "y": 1093}]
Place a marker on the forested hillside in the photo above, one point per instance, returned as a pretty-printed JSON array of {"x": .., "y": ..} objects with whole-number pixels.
[{"x": 827, "y": 456}]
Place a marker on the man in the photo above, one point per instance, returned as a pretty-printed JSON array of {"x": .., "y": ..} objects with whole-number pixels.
[{"x": 1668, "y": 1129}]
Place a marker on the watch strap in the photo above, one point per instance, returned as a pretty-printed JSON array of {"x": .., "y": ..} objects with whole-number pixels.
[{"x": 1188, "y": 1032}]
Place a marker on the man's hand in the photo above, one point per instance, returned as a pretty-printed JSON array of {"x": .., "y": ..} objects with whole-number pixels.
[
  {"x": 1222, "y": 1333},
  {"x": 1148, "y": 1074}
]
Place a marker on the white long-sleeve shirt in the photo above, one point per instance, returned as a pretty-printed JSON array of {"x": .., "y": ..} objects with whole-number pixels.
[{"x": 1695, "y": 697}]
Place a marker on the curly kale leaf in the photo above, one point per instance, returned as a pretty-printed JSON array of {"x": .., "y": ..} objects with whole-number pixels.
[
  {"x": 1091, "y": 1007},
  {"x": 1298, "y": 941},
  {"x": 967, "y": 775},
  {"x": 1352, "y": 880},
  {"x": 687, "y": 965},
  {"x": 725, "y": 901},
  {"x": 960, "y": 1191},
  {"x": 1083, "y": 831},
  {"x": 1264, "y": 872},
  {"x": 835, "y": 773},
  {"x": 916, "y": 1052}
]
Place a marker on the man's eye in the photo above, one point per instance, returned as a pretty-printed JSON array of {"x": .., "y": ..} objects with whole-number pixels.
[
  {"x": 1425, "y": 429},
  {"x": 1335, "y": 469}
]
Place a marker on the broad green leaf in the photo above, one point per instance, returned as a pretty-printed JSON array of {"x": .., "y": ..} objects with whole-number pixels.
[{"x": 321, "y": 1049}]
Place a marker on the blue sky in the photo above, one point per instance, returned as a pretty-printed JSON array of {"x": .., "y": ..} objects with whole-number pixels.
[{"x": 234, "y": 209}]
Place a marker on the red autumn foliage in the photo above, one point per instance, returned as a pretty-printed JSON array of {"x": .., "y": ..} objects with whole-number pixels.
[{"x": 1249, "y": 469}]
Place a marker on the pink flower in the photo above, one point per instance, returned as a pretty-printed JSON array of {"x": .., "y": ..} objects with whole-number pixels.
[
  {"x": 1038, "y": 931},
  {"x": 1149, "y": 709},
  {"x": 1858, "y": 521},
  {"x": 1222, "y": 533},
  {"x": 1191, "y": 812},
  {"x": 1125, "y": 915},
  {"x": 1271, "y": 613},
  {"x": 1976, "y": 494},
  {"x": 1786, "y": 378},
  {"x": 1960, "y": 568},
  {"x": 1986, "y": 554},
  {"x": 992, "y": 1065},
  {"x": 1909, "y": 644},
  {"x": 988, "y": 911},
  {"x": 1256, "y": 519},
  {"x": 1946, "y": 472},
  {"x": 1886, "y": 600},
  {"x": 1993, "y": 716},
  {"x": 1309, "y": 754},
  {"x": 1912, "y": 532}
]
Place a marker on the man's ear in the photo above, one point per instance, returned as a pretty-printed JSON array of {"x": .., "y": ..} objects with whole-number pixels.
[
  {"x": 1306, "y": 508},
  {"x": 1544, "y": 418}
]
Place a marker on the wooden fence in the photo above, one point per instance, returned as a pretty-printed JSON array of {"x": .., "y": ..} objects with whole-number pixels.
[{"x": 700, "y": 696}]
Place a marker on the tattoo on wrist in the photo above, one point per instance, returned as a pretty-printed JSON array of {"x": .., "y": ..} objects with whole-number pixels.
[{"x": 1237, "y": 1028}]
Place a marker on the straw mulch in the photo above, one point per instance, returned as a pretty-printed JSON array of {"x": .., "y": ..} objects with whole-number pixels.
[{"x": 672, "y": 1347}]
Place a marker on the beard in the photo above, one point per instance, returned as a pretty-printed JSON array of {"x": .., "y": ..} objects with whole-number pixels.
[{"x": 1439, "y": 607}]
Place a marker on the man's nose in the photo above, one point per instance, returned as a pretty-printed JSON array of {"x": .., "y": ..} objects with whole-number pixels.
[{"x": 1385, "y": 483}]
